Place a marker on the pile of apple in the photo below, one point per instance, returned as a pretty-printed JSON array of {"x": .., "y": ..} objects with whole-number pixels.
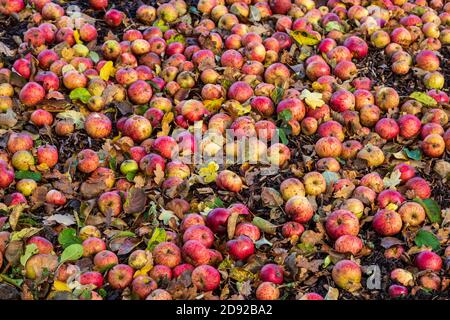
[{"x": 136, "y": 96}]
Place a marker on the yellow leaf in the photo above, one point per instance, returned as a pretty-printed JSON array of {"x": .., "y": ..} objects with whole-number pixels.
[
  {"x": 107, "y": 71},
  {"x": 241, "y": 274},
  {"x": 213, "y": 106},
  {"x": 304, "y": 38},
  {"x": 61, "y": 286},
  {"x": 42, "y": 167},
  {"x": 312, "y": 99},
  {"x": 116, "y": 138},
  {"x": 209, "y": 173},
  {"x": 391, "y": 206},
  {"x": 67, "y": 54},
  {"x": 76, "y": 35},
  {"x": 144, "y": 271},
  {"x": 242, "y": 110},
  {"x": 157, "y": 69},
  {"x": 159, "y": 174},
  {"x": 165, "y": 124}
]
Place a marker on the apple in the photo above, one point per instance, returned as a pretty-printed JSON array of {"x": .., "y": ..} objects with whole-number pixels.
[
  {"x": 138, "y": 259},
  {"x": 397, "y": 291},
  {"x": 6, "y": 174},
  {"x": 348, "y": 244},
  {"x": 39, "y": 264},
  {"x": 315, "y": 183},
  {"x": 92, "y": 278},
  {"x": 195, "y": 253},
  {"x": 240, "y": 248},
  {"x": 142, "y": 286},
  {"x": 43, "y": 245},
  {"x": 387, "y": 222},
  {"x": 217, "y": 220},
  {"x": 120, "y": 276},
  {"x": 409, "y": 126},
  {"x": 267, "y": 291},
  {"x": 299, "y": 209},
  {"x": 402, "y": 276},
  {"x": 228, "y": 180},
  {"x": 418, "y": 187},
  {"x": 92, "y": 246},
  {"x": 206, "y": 278},
  {"x": 342, "y": 222},
  {"x": 347, "y": 275},
  {"x": 387, "y": 197},
  {"x": 428, "y": 260},
  {"x": 433, "y": 145},
  {"x": 168, "y": 254},
  {"x": 412, "y": 213},
  {"x": 271, "y": 273}
]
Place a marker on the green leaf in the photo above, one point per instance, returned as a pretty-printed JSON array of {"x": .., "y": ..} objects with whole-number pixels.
[
  {"x": 71, "y": 253},
  {"x": 277, "y": 94},
  {"x": 130, "y": 176},
  {"x": 68, "y": 237},
  {"x": 218, "y": 203},
  {"x": 327, "y": 261},
  {"x": 285, "y": 115},
  {"x": 423, "y": 98},
  {"x": 226, "y": 83},
  {"x": 176, "y": 38},
  {"x": 30, "y": 250},
  {"x": 158, "y": 236},
  {"x": 413, "y": 154},
  {"x": 112, "y": 163},
  {"x": 225, "y": 264},
  {"x": 81, "y": 94},
  {"x": 15, "y": 282},
  {"x": 426, "y": 238},
  {"x": 264, "y": 225},
  {"x": 334, "y": 25},
  {"x": 431, "y": 208},
  {"x": 36, "y": 176},
  {"x": 306, "y": 248},
  {"x": 282, "y": 135},
  {"x": 102, "y": 292},
  {"x": 94, "y": 56},
  {"x": 161, "y": 25},
  {"x": 24, "y": 233},
  {"x": 154, "y": 86},
  {"x": 123, "y": 234}
]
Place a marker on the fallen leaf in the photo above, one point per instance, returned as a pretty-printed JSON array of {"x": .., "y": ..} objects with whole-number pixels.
[
  {"x": 312, "y": 99},
  {"x": 231, "y": 224},
  {"x": 332, "y": 294},
  {"x": 264, "y": 225},
  {"x": 107, "y": 70},
  {"x": 392, "y": 180},
  {"x": 165, "y": 124},
  {"x": 76, "y": 116},
  {"x": 66, "y": 220},
  {"x": 271, "y": 197},
  {"x": 6, "y": 51},
  {"x": 135, "y": 201},
  {"x": 303, "y": 37},
  {"x": 209, "y": 172}
]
